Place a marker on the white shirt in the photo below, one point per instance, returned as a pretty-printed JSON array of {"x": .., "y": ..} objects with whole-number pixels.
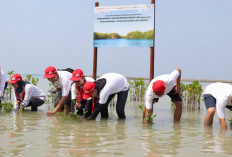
[
  {"x": 30, "y": 92},
  {"x": 115, "y": 83},
  {"x": 170, "y": 83},
  {"x": 2, "y": 82},
  {"x": 73, "y": 88},
  {"x": 64, "y": 82},
  {"x": 222, "y": 92}
]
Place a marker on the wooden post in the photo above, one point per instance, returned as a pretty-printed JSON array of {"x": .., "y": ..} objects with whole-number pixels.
[
  {"x": 152, "y": 50},
  {"x": 95, "y": 55}
]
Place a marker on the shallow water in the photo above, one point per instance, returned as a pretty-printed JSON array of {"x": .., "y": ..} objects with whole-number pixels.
[{"x": 34, "y": 133}]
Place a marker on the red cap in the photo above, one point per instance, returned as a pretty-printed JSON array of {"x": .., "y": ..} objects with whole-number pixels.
[
  {"x": 50, "y": 72},
  {"x": 15, "y": 78},
  {"x": 88, "y": 89},
  {"x": 77, "y": 75},
  {"x": 158, "y": 87}
]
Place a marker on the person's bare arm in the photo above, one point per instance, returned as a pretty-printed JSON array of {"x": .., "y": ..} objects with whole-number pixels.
[
  {"x": 178, "y": 81},
  {"x": 146, "y": 113},
  {"x": 58, "y": 107},
  {"x": 21, "y": 109}
]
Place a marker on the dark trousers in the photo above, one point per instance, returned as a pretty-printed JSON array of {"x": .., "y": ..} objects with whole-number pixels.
[
  {"x": 88, "y": 109},
  {"x": 35, "y": 103},
  {"x": 120, "y": 106}
]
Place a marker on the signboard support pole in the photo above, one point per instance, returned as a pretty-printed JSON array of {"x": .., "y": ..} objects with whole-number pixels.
[
  {"x": 152, "y": 51},
  {"x": 95, "y": 55}
]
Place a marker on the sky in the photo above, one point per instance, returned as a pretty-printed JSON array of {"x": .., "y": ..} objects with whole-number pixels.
[{"x": 194, "y": 35}]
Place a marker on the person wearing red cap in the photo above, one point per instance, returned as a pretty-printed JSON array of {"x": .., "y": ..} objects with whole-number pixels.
[
  {"x": 167, "y": 84},
  {"x": 105, "y": 88},
  {"x": 79, "y": 80},
  {"x": 61, "y": 79},
  {"x": 26, "y": 94},
  {"x": 217, "y": 97},
  {"x": 3, "y": 83}
]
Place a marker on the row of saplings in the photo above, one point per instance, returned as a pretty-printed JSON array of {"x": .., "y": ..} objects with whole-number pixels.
[{"x": 190, "y": 93}]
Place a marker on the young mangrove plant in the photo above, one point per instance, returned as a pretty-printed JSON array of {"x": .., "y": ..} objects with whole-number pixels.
[
  {"x": 70, "y": 115},
  {"x": 7, "y": 93},
  {"x": 191, "y": 95},
  {"x": 137, "y": 89},
  {"x": 194, "y": 92},
  {"x": 32, "y": 80},
  {"x": 149, "y": 118},
  {"x": 7, "y": 106},
  {"x": 50, "y": 96},
  {"x": 230, "y": 120}
]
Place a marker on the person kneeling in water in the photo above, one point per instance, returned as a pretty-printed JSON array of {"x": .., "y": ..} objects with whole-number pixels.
[{"x": 27, "y": 94}]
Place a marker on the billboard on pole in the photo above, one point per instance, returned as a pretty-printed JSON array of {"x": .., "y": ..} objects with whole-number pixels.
[{"x": 124, "y": 26}]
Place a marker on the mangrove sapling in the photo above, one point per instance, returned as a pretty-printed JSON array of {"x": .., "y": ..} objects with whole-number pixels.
[
  {"x": 32, "y": 80},
  {"x": 137, "y": 89},
  {"x": 51, "y": 95},
  {"x": 7, "y": 106},
  {"x": 191, "y": 94},
  {"x": 70, "y": 115},
  {"x": 7, "y": 93},
  {"x": 230, "y": 120},
  {"x": 149, "y": 118}
]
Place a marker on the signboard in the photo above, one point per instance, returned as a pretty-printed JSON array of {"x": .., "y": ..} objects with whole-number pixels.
[{"x": 124, "y": 26}]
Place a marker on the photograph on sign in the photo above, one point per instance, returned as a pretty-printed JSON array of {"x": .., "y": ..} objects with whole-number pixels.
[{"x": 124, "y": 26}]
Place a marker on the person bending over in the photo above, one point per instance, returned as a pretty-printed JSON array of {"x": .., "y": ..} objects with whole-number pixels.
[
  {"x": 104, "y": 89},
  {"x": 217, "y": 97},
  {"x": 167, "y": 84},
  {"x": 61, "y": 79}
]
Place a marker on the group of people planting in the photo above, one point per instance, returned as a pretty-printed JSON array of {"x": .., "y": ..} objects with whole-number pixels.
[{"x": 88, "y": 97}]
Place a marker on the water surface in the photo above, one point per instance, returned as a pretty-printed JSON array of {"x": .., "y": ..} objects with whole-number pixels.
[{"x": 35, "y": 133}]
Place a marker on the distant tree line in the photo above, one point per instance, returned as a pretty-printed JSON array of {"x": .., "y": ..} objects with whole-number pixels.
[{"x": 131, "y": 35}]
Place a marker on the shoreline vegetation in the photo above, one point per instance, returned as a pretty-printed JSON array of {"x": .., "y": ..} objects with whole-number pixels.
[{"x": 131, "y": 35}]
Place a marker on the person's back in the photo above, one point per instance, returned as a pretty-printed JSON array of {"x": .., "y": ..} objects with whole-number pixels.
[
  {"x": 218, "y": 90},
  {"x": 114, "y": 84}
]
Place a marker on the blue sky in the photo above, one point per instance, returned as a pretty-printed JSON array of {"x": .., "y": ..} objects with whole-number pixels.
[{"x": 195, "y": 36}]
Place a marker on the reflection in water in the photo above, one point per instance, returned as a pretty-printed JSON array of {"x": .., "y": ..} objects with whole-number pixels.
[
  {"x": 156, "y": 144},
  {"x": 217, "y": 144},
  {"x": 35, "y": 133},
  {"x": 15, "y": 134},
  {"x": 86, "y": 138},
  {"x": 102, "y": 137}
]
